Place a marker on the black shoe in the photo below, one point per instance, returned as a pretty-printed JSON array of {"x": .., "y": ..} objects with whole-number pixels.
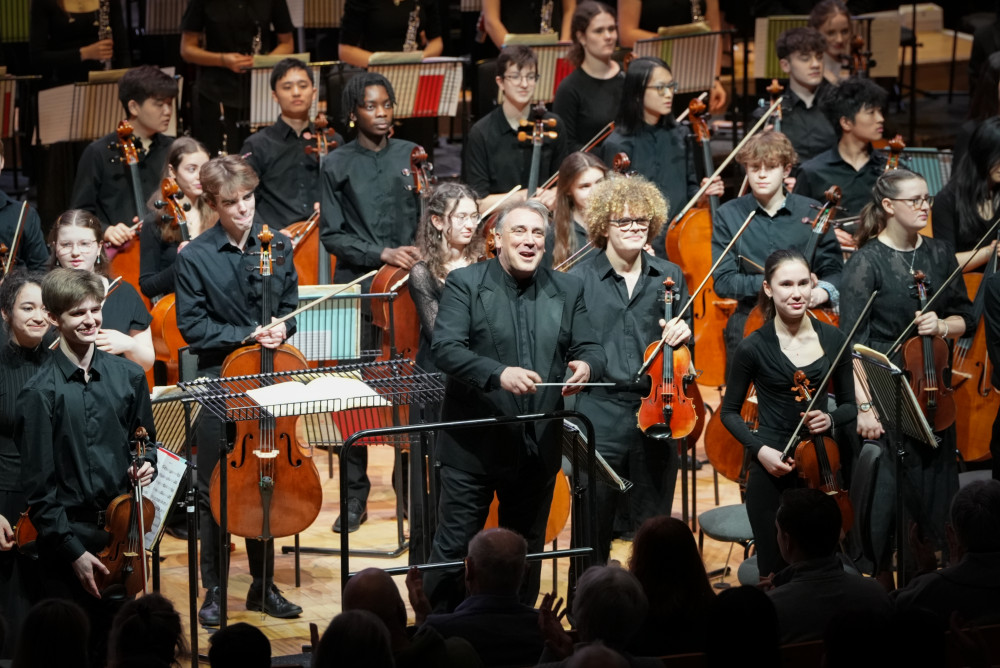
[
  {"x": 210, "y": 615},
  {"x": 357, "y": 514},
  {"x": 275, "y": 604}
]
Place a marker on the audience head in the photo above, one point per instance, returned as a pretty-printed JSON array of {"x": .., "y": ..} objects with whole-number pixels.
[
  {"x": 496, "y": 562},
  {"x": 76, "y": 242},
  {"x": 146, "y": 628},
  {"x": 239, "y": 646},
  {"x": 751, "y": 626},
  {"x": 918, "y": 638},
  {"x": 891, "y": 203},
  {"x": 808, "y": 523},
  {"x": 617, "y": 198},
  {"x": 856, "y": 108},
  {"x": 647, "y": 95},
  {"x": 373, "y": 590},
  {"x": 594, "y": 31},
  {"x": 666, "y": 561},
  {"x": 354, "y": 639},
  {"x": 609, "y": 605},
  {"x": 857, "y": 639},
  {"x": 596, "y": 655},
  {"x": 39, "y": 648},
  {"x": 975, "y": 516}
]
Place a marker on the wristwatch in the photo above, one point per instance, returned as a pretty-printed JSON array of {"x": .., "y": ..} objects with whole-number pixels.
[{"x": 864, "y": 407}]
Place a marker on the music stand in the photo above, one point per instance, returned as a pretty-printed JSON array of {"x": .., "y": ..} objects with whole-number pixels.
[
  {"x": 694, "y": 59},
  {"x": 899, "y": 412},
  {"x": 428, "y": 89}
]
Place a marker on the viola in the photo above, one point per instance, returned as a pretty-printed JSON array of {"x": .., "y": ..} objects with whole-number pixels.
[
  {"x": 668, "y": 411},
  {"x": 689, "y": 244},
  {"x": 125, "y": 258},
  {"x": 896, "y": 147},
  {"x": 926, "y": 361},
  {"x": 128, "y": 518},
  {"x": 820, "y": 225},
  {"x": 271, "y": 472},
  {"x": 817, "y": 460}
]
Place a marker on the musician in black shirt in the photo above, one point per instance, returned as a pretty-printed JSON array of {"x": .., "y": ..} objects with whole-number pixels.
[
  {"x": 104, "y": 179},
  {"x": 383, "y": 25},
  {"x": 800, "y": 52},
  {"x": 31, "y": 251},
  {"x": 289, "y": 177},
  {"x": 76, "y": 417},
  {"x": 992, "y": 314},
  {"x": 218, "y": 307}
]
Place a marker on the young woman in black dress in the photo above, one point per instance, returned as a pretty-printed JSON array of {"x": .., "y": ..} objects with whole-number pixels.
[
  {"x": 891, "y": 250},
  {"x": 578, "y": 174},
  {"x": 788, "y": 341}
]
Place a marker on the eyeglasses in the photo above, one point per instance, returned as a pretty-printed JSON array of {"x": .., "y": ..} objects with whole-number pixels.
[
  {"x": 626, "y": 224},
  {"x": 521, "y": 78},
  {"x": 68, "y": 246},
  {"x": 916, "y": 203},
  {"x": 465, "y": 218},
  {"x": 662, "y": 88}
]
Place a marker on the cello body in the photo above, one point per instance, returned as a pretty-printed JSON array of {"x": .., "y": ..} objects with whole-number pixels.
[
  {"x": 975, "y": 397},
  {"x": 167, "y": 338}
]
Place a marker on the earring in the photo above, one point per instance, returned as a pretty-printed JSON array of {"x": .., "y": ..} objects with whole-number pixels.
[{"x": 350, "y": 123}]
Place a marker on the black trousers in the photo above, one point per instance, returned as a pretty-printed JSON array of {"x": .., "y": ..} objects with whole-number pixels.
[
  {"x": 763, "y": 497},
  {"x": 525, "y": 495}
]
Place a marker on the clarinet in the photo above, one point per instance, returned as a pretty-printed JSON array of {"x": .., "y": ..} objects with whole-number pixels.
[
  {"x": 104, "y": 26},
  {"x": 412, "y": 26}
]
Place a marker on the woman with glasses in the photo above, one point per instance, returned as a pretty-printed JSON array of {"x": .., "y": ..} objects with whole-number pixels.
[
  {"x": 75, "y": 244},
  {"x": 448, "y": 238},
  {"x": 645, "y": 130},
  {"x": 623, "y": 287},
  {"x": 891, "y": 250},
  {"x": 970, "y": 203},
  {"x": 587, "y": 100}
]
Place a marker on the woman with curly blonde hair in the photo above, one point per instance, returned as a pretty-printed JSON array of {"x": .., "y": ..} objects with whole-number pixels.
[{"x": 626, "y": 286}]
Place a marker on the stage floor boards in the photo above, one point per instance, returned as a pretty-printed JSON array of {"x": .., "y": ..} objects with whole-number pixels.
[{"x": 319, "y": 594}]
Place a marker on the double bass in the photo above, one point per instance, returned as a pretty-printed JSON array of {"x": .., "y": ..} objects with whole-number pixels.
[{"x": 270, "y": 471}]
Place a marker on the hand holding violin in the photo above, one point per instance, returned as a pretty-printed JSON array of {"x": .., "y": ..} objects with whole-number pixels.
[
  {"x": 927, "y": 323},
  {"x": 676, "y": 332},
  {"x": 818, "y": 421},
  {"x": 772, "y": 462},
  {"x": 6, "y": 534},
  {"x": 84, "y": 568},
  {"x": 144, "y": 474}
]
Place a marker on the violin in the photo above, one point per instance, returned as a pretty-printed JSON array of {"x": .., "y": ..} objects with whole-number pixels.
[
  {"x": 668, "y": 411},
  {"x": 128, "y": 518},
  {"x": 689, "y": 244},
  {"x": 896, "y": 146},
  {"x": 817, "y": 460},
  {"x": 861, "y": 58},
  {"x": 270, "y": 471},
  {"x": 926, "y": 360},
  {"x": 820, "y": 225}
]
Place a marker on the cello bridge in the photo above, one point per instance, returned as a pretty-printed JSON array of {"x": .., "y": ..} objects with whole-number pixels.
[{"x": 266, "y": 454}]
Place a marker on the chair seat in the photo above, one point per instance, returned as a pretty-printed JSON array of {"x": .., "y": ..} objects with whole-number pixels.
[
  {"x": 726, "y": 524},
  {"x": 748, "y": 573}
]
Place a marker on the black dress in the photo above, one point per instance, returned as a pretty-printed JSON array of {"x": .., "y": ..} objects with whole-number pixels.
[
  {"x": 759, "y": 360},
  {"x": 426, "y": 289},
  {"x": 931, "y": 474},
  {"x": 56, "y": 37}
]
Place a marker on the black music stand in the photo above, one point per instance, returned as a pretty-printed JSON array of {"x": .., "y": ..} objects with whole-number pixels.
[{"x": 898, "y": 410}]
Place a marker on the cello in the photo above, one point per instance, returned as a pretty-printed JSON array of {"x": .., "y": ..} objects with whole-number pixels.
[
  {"x": 817, "y": 460},
  {"x": 128, "y": 518},
  {"x": 724, "y": 451},
  {"x": 270, "y": 471},
  {"x": 125, "y": 260},
  {"x": 925, "y": 358},
  {"x": 689, "y": 244},
  {"x": 167, "y": 338}
]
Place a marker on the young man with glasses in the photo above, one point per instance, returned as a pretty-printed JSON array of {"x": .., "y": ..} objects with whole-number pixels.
[
  {"x": 768, "y": 158},
  {"x": 495, "y": 160},
  {"x": 625, "y": 285}
]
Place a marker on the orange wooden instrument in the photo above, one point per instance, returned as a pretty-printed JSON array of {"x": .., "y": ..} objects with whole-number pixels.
[
  {"x": 127, "y": 520},
  {"x": 668, "y": 410},
  {"x": 689, "y": 244},
  {"x": 307, "y": 250},
  {"x": 26, "y": 535},
  {"x": 271, "y": 473},
  {"x": 817, "y": 460},
  {"x": 322, "y": 141},
  {"x": 125, "y": 258},
  {"x": 724, "y": 451},
  {"x": 861, "y": 58},
  {"x": 167, "y": 338},
  {"x": 926, "y": 361}
]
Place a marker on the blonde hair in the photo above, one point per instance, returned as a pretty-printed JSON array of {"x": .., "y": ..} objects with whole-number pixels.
[{"x": 609, "y": 199}]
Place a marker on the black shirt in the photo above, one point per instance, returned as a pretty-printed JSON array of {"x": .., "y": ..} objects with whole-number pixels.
[
  {"x": 625, "y": 325},
  {"x": 56, "y": 37},
  {"x": 381, "y": 25},
  {"x": 524, "y": 17},
  {"x": 74, "y": 437},
  {"x": 125, "y": 311},
  {"x": 17, "y": 366},
  {"x": 104, "y": 183},
  {"x": 828, "y": 168},
  {"x": 219, "y": 292},
  {"x": 658, "y": 13},
  {"x": 991, "y": 314},
  {"x": 230, "y": 26},
  {"x": 948, "y": 227},
  {"x": 807, "y": 128},
  {"x": 495, "y": 161},
  {"x": 586, "y": 105},
  {"x": 765, "y": 234},
  {"x": 365, "y": 205},
  {"x": 156, "y": 258},
  {"x": 759, "y": 360},
  {"x": 32, "y": 252},
  {"x": 289, "y": 178}
]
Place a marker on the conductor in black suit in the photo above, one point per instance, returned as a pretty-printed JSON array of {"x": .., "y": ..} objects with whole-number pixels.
[{"x": 503, "y": 326}]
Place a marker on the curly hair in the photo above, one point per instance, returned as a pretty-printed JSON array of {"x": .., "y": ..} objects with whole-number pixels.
[
  {"x": 610, "y": 197},
  {"x": 430, "y": 239},
  {"x": 768, "y": 148},
  {"x": 570, "y": 170}
]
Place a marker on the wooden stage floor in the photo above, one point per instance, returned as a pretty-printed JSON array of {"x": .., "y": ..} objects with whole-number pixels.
[{"x": 319, "y": 594}]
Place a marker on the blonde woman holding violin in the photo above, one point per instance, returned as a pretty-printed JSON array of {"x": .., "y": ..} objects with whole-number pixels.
[
  {"x": 787, "y": 342},
  {"x": 890, "y": 252}
]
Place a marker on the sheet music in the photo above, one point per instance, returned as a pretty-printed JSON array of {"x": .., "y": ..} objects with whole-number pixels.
[
  {"x": 693, "y": 59},
  {"x": 326, "y": 393},
  {"x": 263, "y": 108},
  {"x": 427, "y": 89},
  {"x": 885, "y": 380},
  {"x": 322, "y": 13},
  {"x": 170, "y": 470}
]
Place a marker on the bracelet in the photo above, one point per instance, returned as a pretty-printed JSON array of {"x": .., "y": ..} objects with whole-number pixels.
[{"x": 946, "y": 328}]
